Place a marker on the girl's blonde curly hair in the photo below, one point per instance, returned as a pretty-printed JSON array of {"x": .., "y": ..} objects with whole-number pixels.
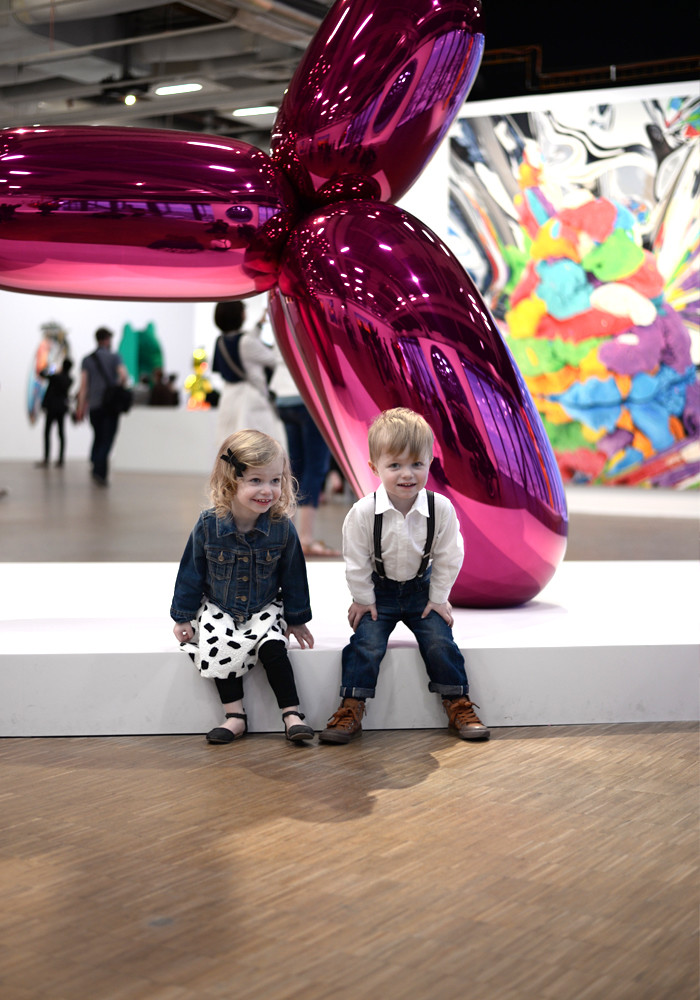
[{"x": 244, "y": 450}]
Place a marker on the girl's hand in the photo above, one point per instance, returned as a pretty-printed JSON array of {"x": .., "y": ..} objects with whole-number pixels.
[
  {"x": 356, "y": 613},
  {"x": 183, "y": 631},
  {"x": 444, "y": 610},
  {"x": 301, "y": 634}
]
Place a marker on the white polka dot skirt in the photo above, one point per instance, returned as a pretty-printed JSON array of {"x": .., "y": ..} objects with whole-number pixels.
[{"x": 220, "y": 646}]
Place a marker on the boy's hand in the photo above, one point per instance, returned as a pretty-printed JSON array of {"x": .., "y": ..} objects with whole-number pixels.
[
  {"x": 444, "y": 610},
  {"x": 301, "y": 634},
  {"x": 356, "y": 613},
  {"x": 183, "y": 631}
]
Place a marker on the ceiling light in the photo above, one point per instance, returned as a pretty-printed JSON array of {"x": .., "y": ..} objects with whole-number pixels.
[
  {"x": 178, "y": 88},
  {"x": 268, "y": 109},
  {"x": 130, "y": 99}
]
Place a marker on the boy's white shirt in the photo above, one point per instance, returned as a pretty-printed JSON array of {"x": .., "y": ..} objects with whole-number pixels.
[{"x": 403, "y": 541}]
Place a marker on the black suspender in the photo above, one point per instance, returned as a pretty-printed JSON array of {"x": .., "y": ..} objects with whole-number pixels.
[
  {"x": 379, "y": 562},
  {"x": 430, "y": 534}
]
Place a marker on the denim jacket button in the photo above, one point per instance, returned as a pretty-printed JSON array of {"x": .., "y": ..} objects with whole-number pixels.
[{"x": 221, "y": 557}]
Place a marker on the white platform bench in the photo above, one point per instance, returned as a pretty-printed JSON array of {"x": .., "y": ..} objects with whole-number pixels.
[{"x": 603, "y": 643}]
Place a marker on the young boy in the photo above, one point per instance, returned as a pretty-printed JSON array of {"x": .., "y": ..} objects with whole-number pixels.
[{"x": 401, "y": 561}]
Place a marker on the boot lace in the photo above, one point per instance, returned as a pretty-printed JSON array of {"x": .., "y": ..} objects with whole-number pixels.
[
  {"x": 463, "y": 713},
  {"x": 343, "y": 718}
]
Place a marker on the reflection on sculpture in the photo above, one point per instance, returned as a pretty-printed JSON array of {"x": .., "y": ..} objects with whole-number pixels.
[
  {"x": 375, "y": 312},
  {"x": 374, "y": 95},
  {"x": 372, "y": 310},
  {"x": 189, "y": 218}
]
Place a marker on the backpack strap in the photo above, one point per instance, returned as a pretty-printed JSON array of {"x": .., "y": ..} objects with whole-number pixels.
[
  {"x": 109, "y": 383},
  {"x": 430, "y": 535},
  {"x": 235, "y": 366},
  {"x": 103, "y": 371}
]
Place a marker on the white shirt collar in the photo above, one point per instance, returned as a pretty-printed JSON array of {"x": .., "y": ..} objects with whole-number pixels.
[{"x": 382, "y": 502}]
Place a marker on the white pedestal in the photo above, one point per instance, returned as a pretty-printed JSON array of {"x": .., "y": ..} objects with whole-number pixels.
[{"x": 603, "y": 643}]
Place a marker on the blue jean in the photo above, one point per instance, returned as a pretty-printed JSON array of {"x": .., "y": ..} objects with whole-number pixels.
[
  {"x": 402, "y": 602},
  {"x": 104, "y": 426},
  {"x": 309, "y": 455}
]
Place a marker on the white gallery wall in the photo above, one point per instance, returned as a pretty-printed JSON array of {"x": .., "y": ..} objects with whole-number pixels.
[
  {"x": 21, "y": 317},
  {"x": 180, "y": 328}
]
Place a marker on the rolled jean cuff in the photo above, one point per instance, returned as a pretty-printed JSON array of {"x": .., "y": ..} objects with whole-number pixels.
[
  {"x": 346, "y": 692},
  {"x": 449, "y": 690}
]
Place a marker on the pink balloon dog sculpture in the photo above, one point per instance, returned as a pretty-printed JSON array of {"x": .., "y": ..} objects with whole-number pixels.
[{"x": 370, "y": 308}]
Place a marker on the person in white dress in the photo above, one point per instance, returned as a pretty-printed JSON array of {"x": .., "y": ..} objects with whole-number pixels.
[{"x": 246, "y": 365}]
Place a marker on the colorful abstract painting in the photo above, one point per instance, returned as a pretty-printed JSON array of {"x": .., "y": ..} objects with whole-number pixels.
[{"x": 581, "y": 228}]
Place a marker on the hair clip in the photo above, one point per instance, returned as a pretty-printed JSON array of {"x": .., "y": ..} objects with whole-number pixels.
[{"x": 230, "y": 459}]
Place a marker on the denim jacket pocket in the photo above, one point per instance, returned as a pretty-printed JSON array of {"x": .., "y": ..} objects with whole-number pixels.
[
  {"x": 267, "y": 562},
  {"x": 221, "y": 563}
]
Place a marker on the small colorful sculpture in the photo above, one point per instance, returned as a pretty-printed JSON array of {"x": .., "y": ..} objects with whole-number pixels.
[{"x": 198, "y": 385}]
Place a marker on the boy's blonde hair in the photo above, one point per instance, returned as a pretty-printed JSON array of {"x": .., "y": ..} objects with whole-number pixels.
[
  {"x": 245, "y": 450},
  {"x": 395, "y": 431}
]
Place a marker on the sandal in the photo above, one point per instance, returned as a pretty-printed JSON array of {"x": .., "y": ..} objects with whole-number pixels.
[
  {"x": 299, "y": 733},
  {"x": 319, "y": 550},
  {"x": 223, "y": 735}
]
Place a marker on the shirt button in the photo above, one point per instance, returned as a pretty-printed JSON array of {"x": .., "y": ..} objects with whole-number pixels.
[
  {"x": 221, "y": 557},
  {"x": 244, "y": 579},
  {"x": 245, "y": 559},
  {"x": 243, "y": 598}
]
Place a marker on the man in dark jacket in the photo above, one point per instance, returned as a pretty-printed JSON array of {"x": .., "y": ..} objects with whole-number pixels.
[{"x": 101, "y": 369}]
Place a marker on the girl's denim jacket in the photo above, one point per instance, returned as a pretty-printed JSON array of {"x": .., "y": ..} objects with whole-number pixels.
[{"x": 241, "y": 573}]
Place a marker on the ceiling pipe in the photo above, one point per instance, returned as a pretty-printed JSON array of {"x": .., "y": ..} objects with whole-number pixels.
[
  {"x": 267, "y": 7},
  {"x": 257, "y": 6},
  {"x": 50, "y": 11},
  {"x": 29, "y": 12},
  {"x": 78, "y": 50}
]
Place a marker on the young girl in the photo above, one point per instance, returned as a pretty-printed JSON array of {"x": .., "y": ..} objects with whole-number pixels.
[{"x": 241, "y": 588}]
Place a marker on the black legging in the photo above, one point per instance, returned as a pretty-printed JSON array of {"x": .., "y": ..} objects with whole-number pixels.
[
  {"x": 274, "y": 658},
  {"x": 59, "y": 420}
]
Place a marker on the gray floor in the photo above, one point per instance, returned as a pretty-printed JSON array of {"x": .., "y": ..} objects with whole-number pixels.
[{"x": 59, "y": 515}]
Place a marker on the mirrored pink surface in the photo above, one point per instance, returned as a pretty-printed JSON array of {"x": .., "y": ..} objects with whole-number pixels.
[
  {"x": 374, "y": 94},
  {"x": 374, "y": 311},
  {"x": 139, "y": 214}
]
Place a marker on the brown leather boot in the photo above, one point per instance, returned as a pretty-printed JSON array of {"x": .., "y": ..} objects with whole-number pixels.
[
  {"x": 344, "y": 724},
  {"x": 464, "y": 720}
]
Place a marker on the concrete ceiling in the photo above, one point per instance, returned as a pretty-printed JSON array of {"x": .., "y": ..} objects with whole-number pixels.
[{"x": 70, "y": 62}]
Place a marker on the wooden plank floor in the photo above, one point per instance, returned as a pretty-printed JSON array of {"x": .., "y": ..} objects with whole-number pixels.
[{"x": 555, "y": 863}]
